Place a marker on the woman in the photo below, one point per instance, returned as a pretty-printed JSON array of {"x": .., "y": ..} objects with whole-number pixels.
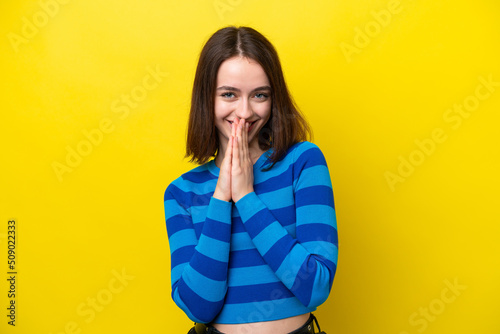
[{"x": 252, "y": 233}]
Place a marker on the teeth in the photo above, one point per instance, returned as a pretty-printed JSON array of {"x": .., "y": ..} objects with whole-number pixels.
[{"x": 250, "y": 123}]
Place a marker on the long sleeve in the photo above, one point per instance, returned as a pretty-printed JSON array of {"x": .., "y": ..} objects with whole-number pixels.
[
  {"x": 199, "y": 266},
  {"x": 306, "y": 263}
]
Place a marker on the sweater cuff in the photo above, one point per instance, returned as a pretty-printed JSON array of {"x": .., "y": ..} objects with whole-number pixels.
[
  {"x": 248, "y": 205},
  {"x": 219, "y": 210}
]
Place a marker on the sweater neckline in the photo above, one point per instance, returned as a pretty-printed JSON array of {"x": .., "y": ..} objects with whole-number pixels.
[{"x": 212, "y": 167}]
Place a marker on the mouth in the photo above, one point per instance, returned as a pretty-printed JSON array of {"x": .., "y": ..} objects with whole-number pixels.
[{"x": 249, "y": 129}]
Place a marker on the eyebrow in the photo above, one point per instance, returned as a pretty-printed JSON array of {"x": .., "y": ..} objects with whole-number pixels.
[{"x": 238, "y": 90}]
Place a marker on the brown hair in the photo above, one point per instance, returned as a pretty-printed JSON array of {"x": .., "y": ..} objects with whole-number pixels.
[{"x": 285, "y": 127}]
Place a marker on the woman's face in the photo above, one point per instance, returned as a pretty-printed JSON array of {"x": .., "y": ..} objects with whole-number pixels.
[{"x": 243, "y": 91}]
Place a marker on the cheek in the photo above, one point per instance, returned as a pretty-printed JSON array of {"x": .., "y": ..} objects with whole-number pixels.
[
  {"x": 222, "y": 109},
  {"x": 217, "y": 109},
  {"x": 262, "y": 109}
]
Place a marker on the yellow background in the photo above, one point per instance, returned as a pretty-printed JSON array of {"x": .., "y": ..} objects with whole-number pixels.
[{"x": 400, "y": 244}]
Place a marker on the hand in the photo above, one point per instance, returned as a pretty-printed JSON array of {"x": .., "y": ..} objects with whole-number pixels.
[
  {"x": 223, "y": 187},
  {"x": 241, "y": 164}
]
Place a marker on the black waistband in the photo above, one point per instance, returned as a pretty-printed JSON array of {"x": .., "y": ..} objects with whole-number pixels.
[{"x": 307, "y": 328}]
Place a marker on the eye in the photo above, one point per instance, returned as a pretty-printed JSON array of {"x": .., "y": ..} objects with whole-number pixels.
[
  {"x": 227, "y": 94},
  {"x": 261, "y": 96}
]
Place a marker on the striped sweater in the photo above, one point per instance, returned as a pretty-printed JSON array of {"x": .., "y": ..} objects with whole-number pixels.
[{"x": 271, "y": 255}]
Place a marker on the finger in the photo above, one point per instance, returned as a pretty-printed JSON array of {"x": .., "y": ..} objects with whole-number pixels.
[
  {"x": 243, "y": 157},
  {"x": 230, "y": 146},
  {"x": 246, "y": 151},
  {"x": 233, "y": 128},
  {"x": 237, "y": 146}
]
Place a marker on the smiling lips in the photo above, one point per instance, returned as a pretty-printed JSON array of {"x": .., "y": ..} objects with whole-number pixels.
[{"x": 249, "y": 129}]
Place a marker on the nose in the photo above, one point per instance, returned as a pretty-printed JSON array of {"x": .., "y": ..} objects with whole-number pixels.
[{"x": 244, "y": 110}]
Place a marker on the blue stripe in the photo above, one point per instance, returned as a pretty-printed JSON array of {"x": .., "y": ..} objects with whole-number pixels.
[
  {"x": 315, "y": 175},
  {"x": 278, "y": 252},
  {"x": 289, "y": 266},
  {"x": 300, "y": 147},
  {"x": 176, "y": 272},
  {"x": 172, "y": 208},
  {"x": 237, "y": 225},
  {"x": 217, "y": 230},
  {"x": 202, "y": 188},
  {"x": 266, "y": 239},
  {"x": 178, "y": 223},
  {"x": 199, "y": 307},
  {"x": 182, "y": 238},
  {"x": 182, "y": 255},
  {"x": 316, "y": 213},
  {"x": 278, "y": 198},
  {"x": 325, "y": 249},
  {"x": 257, "y": 275},
  {"x": 309, "y": 158},
  {"x": 189, "y": 198},
  {"x": 198, "y": 227},
  {"x": 245, "y": 258},
  {"x": 168, "y": 195},
  {"x": 304, "y": 282},
  {"x": 274, "y": 182},
  {"x": 201, "y": 175},
  {"x": 317, "y": 232},
  {"x": 210, "y": 268},
  {"x": 331, "y": 265},
  {"x": 285, "y": 216},
  {"x": 218, "y": 249},
  {"x": 320, "y": 294},
  {"x": 198, "y": 214},
  {"x": 199, "y": 283},
  {"x": 256, "y": 293},
  {"x": 257, "y": 223},
  {"x": 241, "y": 241},
  {"x": 314, "y": 195}
]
